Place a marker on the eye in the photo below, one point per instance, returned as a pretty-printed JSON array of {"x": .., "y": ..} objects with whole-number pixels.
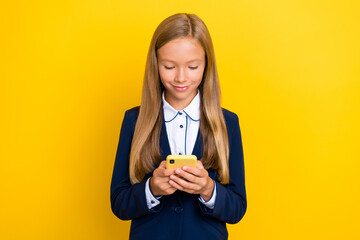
[
  {"x": 193, "y": 68},
  {"x": 166, "y": 67}
]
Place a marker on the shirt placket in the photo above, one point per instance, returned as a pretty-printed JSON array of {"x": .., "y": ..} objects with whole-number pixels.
[{"x": 180, "y": 127}]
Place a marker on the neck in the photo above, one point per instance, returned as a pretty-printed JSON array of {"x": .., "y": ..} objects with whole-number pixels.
[{"x": 179, "y": 104}]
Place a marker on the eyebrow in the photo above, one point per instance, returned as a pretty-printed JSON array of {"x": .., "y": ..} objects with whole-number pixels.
[{"x": 168, "y": 60}]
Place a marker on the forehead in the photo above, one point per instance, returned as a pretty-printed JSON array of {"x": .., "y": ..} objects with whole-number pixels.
[{"x": 181, "y": 50}]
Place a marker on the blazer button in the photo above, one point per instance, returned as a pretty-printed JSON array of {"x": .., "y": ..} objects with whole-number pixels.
[{"x": 178, "y": 210}]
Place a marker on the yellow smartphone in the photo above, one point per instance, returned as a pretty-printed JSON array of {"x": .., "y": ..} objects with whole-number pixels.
[{"x": 177, "y": 161}]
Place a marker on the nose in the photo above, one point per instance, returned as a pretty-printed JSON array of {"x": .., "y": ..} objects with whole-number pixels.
[{"x": 180, "y": 75}]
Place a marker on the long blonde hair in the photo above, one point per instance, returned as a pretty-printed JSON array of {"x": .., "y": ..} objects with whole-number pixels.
[{"x": 145, "y": 150}]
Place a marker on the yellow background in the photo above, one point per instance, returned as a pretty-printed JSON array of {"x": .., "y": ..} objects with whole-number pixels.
[{"x": 289, "y": 69}]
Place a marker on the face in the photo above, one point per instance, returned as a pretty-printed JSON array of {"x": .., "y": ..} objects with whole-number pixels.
[{"x": 181, "y": 65}]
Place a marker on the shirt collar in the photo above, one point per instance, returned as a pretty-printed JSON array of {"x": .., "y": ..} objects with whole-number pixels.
[{"x": 192, "y": 110}]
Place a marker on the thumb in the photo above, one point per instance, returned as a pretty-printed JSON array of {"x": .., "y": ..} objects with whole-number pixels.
[
  {"x": 162, "y": 164},
  {"x": 199, "y": 165}
]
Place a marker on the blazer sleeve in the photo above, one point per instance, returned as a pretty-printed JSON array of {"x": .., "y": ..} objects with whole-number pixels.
[
  {"x": 128, "y": 200},
  {"x": 230, "y": 203}
]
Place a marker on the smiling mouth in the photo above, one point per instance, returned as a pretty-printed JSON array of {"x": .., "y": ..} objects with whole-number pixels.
[{"x": 181, "y": 89}]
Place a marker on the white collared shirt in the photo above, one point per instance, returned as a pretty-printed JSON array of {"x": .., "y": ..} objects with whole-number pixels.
[{"x": 182, "y": 128}]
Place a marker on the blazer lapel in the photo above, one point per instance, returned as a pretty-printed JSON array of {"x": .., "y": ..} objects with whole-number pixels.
[
  {"x": 198, "y": 147},
  {"x": 164, "y": 142}
]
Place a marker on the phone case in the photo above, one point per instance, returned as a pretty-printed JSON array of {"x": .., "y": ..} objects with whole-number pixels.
[{"x": 177, "y": 161}]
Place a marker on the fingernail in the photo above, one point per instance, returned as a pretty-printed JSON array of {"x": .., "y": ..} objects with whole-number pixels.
[
  {"x": 177, "y": 171},
  {"x": 185, "y": 167},
  {"x": 172, "y": 176}
]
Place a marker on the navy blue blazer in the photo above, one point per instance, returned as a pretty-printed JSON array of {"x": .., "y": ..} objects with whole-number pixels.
[{"x": 180, "y": 215}]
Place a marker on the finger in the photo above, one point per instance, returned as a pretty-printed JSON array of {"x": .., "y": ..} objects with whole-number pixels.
[
  {"x": 167, "y": 189},
  {"x": 186, "y": 175},
  {"x": 178, "y": 187},
  {"x": 161, "y": 180},
  {"x": 162, "y": 183},
  {"x": 199, "y": 165},
  {"x": 175, "y": 185},
  {"x": 159, "y": 171},
  {"x": 183, "y": 183},
  {"x": 162, "y": 172},
  {"x": 163, "y": 164},
  {"x": 168, "y": 172},
  {"x": 194, "y": 171},
  {"x": 168, "y": 186}
]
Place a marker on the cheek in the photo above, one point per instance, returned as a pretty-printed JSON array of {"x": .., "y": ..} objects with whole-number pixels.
[
  {"x": 197, "y": 76},
  {"x": 165, "y": 76}
]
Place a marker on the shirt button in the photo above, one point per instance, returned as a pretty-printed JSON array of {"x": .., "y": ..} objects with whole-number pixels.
[
  {"x": 179, "y": 153},
  {"x": 178, "y": 210},
  {"x": 181, "y": 126},
  {"x": 180, "y": 113},
  {"x": 152, "y": 201}
]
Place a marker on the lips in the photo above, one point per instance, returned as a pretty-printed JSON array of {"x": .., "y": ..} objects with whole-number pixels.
[{"x": 180, "y": 88}]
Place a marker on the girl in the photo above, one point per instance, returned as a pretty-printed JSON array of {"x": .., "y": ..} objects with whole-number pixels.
[{"x": 180, "y": 113}]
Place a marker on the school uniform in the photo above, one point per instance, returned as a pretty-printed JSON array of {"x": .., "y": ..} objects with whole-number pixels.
[{"x": 180, "y": 215}]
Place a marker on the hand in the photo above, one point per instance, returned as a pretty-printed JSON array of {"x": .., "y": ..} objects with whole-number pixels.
[
  {"x": 193, "y": 180},
  {"x": 159, "y": 182}
]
